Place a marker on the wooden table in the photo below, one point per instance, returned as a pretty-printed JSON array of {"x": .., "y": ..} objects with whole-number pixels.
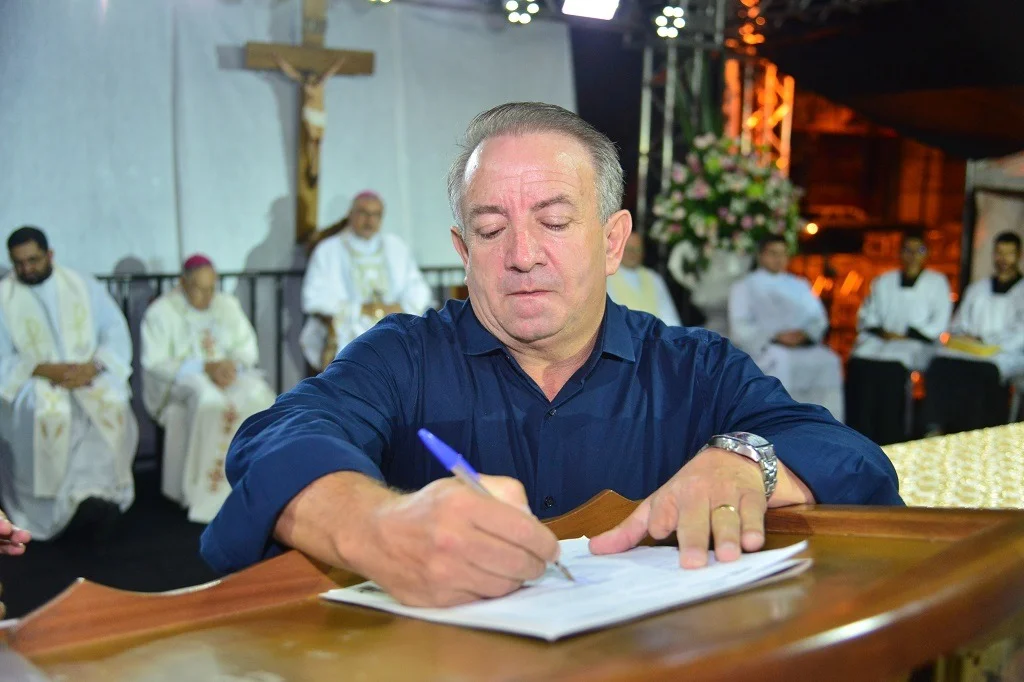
[{"x": 890, "y": 589}]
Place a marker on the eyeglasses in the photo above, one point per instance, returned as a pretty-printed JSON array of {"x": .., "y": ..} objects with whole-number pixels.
[{"x": 909, "y": 250}]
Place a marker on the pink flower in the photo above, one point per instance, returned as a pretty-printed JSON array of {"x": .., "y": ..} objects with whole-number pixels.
[{"x": 747, "y": 222}]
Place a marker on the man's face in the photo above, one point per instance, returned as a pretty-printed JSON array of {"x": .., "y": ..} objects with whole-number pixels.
[
  {"x": 774, "y": 257},
  {"x": 1005, "y": 257},
  {"x": 912, "y": 255},
  {"x": 199, "y": 286},
  {"x": 633, "y": 256},
  {"x": 365, "y": 216},
  {"x": 32, "y": 265},
  {"x": 535, "y": 250}
]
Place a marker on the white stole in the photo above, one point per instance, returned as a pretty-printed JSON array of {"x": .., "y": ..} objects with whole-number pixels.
[{"x": 35, "y": 340}]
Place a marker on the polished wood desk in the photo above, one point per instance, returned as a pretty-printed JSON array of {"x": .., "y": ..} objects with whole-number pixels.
[{"x": 890, "y": 590}]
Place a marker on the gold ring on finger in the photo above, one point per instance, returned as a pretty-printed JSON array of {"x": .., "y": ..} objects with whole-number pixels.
[{"x": 728, "y": 507}]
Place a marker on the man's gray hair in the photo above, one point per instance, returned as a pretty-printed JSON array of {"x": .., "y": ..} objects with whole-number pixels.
[{"x": 524, "y": 118}]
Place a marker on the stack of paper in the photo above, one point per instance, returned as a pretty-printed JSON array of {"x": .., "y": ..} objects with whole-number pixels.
[{"x": 608, "y": 589}]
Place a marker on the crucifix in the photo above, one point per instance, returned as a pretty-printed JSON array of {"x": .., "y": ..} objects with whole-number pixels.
[{"x": 311, "y": 65}]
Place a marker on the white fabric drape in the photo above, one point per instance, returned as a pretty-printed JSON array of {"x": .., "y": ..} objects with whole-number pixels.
[{"x": 133, "y": 128}]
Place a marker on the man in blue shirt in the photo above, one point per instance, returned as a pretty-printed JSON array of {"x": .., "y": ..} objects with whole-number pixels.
[{"x": 540, "y": 381}]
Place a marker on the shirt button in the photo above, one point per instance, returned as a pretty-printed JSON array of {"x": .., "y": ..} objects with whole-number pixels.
[
  {"x": 549, "y": 502},
  {"x": 552, "y": 412}
]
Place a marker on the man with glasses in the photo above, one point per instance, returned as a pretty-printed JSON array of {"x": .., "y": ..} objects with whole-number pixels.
[
  {"x": 354, "y": 279},
  {"x": 898, "y": 325}
]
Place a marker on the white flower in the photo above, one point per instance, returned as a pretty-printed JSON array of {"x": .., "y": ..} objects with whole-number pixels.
[{"x": 679, "y": 213}]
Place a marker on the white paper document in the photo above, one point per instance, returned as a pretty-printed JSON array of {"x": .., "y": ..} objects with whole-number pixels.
[{"x": 608, "y": 589}]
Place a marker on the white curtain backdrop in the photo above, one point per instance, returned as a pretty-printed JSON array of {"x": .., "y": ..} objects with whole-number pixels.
[{"x": 130, "y": 129}]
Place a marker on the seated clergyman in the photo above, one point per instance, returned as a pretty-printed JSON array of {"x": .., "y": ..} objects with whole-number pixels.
[
  {"x": 199, "y": 356},
  {"x": 67, "y": 432}
]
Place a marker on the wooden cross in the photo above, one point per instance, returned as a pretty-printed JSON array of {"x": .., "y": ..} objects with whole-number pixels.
[{"x": 312, "y": 65}]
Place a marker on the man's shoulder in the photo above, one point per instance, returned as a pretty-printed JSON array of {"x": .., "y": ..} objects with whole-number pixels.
[
  {"x": 653, "y": 333},
  {"x": 887, "y": 277}
]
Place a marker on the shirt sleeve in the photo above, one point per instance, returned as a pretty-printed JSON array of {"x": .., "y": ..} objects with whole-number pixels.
[
  {"x": 341, "y": 420},
  {"x": 839, "y": 465},
  {"x": 114, "y": 348}
]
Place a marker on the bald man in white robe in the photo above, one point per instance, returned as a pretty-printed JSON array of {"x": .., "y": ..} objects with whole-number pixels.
[
  {"x": 776, "y": 319},
  {"x": 354, "y": 279}
]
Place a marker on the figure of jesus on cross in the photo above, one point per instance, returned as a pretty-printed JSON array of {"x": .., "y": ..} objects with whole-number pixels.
[
  {"x": 310, "y": 65},
  {"x": 314, "y": 113}
]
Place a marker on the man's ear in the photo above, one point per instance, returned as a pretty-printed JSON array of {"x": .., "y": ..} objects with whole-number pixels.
[
  {"x": 617, "y": 231},
  {"x": 460, "y": 246}
]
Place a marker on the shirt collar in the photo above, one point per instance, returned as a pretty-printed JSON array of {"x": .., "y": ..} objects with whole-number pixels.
[{"x": 614, "y": 338}]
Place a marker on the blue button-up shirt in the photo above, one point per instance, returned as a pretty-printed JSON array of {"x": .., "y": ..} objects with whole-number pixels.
[{"x": 643, "y": 404}]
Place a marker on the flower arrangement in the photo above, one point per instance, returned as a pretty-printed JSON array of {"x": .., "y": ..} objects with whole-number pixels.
[{"x": 722, "y": 199}]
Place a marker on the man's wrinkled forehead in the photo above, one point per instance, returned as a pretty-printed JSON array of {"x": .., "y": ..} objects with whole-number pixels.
[{"x": 518, "y": 161}]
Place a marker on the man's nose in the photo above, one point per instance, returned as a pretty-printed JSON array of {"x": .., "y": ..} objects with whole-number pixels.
[{"x": 524, "y": 251}]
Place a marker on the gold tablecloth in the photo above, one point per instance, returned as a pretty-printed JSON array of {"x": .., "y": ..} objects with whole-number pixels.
[{"x": 983, "y": 468}]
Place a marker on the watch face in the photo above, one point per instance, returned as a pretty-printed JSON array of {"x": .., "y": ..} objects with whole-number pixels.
[{"x": 751, "y": 439}]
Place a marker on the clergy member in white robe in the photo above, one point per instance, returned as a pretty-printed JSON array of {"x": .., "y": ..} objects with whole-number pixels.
[
  {"x": 968, "y": 383},
  {"x": 898, "y": 327},
  {"x": 200, "y": 383},
  {"x": 640, "y": 288},
  {"x": 67, "y": 433},
  {"x": 776, "y": 319},
  {"x": 354, "y": 279}
]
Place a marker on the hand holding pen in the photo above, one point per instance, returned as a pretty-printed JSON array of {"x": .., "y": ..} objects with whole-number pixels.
[{"x": 461, "y": 469}]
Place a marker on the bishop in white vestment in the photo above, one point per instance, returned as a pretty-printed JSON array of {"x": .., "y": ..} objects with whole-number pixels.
[
  {"x": 967, "y": 384},
  {"x": 776, "y": 319},
  {"x": 640, "y": 288},
  {"x": 199, "y": 355},
  {"x": 898, "y": 327},
  {"x": 67, "y": 433},
  {"x": 354, "y": 279}
]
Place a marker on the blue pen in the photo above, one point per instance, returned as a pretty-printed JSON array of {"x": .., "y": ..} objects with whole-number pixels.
[{"x": 461, "y": 469}]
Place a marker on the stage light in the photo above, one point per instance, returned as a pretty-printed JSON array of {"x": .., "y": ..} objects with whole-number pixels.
[
  {"x": 673, "y": 15},
  {"x": 533, "y": 8},
  {"x": 511, "y": 5},
  {"x": 593, "y": 9},
  {"x": 514, "y": 17},
  {"x": 811, "y": 228},
  {"x": 524, "y": 18}
]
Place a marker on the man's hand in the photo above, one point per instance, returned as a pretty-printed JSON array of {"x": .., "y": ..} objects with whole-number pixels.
[
  {"x": 448, "y": 544},
  {"x": 222, "y": 372},
  {"x": 716, "y": 494},
  {"x": 79, "y": 376},
  {"x": 12, "y": 538},
  {"x": 445, "y": 544},
  {"x": 791, "y": 338}
]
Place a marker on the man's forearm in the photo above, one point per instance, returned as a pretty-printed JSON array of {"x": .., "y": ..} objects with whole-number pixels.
[{"x": 331, "y": 519}]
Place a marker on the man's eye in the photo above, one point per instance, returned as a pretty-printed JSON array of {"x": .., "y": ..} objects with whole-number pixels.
[
  {"x": 489, "y": 234},
  {"x": 556, "y": 226}
]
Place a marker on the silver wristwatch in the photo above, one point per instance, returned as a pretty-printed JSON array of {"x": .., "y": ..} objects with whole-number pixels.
[{"x": 753, "y": 447}]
